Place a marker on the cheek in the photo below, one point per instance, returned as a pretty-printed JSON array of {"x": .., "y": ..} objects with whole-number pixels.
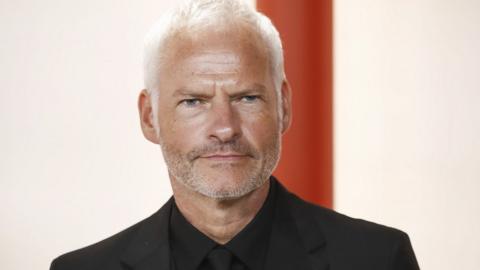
[
  {"x": 181, "y": 133},
  {"x": 259, "y": 130}
]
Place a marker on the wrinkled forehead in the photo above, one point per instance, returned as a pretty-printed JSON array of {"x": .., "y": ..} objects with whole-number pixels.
[
  {"x": 240, "y": 41},
  {"x": 215, "y": 52}
]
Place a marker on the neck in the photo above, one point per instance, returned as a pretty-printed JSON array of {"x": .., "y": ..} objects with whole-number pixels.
[{"x": 220, "y": 220}]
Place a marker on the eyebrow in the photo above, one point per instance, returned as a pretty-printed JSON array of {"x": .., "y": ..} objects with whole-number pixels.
[
  {"x": 188, "y": 92},
  {"x": 255, "y": 87}
]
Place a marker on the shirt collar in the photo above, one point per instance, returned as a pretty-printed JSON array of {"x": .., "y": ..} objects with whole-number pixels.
[
  {"x": 187, "y": 242},
  {"x": 249, "y": 245}
]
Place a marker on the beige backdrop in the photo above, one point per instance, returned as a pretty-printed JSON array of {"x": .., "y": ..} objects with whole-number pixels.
[
  {"x": 74, "y": 166},
  {"x": 407, "y": 122}
]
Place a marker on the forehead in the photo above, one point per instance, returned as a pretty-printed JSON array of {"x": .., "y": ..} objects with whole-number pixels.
[
  {"x": 213, "y": 61},
  {"x": 222, "y": 51}
]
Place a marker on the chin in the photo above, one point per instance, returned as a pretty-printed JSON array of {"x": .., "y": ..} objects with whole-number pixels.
[{"x": 221, "y": 189}]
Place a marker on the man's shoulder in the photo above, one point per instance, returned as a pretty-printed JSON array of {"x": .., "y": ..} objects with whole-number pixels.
[
  {"x": 338, "y": 226},
  {"x": 108, "y": 253},
  {"x": 98, "y": 254},
  {"x": 352, "y": 242}
]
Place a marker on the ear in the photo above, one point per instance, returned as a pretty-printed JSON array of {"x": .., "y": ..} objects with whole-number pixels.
[
  {"x": 145, "y": 110},
  {"x": 286, "y": 106}
]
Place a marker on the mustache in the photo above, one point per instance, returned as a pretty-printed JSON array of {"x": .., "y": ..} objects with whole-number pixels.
[{"x": 215, "y": 147}]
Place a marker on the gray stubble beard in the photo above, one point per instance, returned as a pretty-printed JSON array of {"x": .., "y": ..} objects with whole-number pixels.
[{"x": 181, "y": 168}]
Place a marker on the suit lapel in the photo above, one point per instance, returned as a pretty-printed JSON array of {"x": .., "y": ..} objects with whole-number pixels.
[
  {"x": 297, "y": 241},
  {"x": 150, "y": 248}
]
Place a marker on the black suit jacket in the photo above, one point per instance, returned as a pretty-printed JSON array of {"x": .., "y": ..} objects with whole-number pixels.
[{"x": 307, "y": 237}]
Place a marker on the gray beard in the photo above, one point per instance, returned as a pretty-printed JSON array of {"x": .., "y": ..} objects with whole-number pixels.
[{"x": 181, "y": 168}]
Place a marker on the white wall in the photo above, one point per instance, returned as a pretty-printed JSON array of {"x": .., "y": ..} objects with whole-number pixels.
[
  {"x": 74, "y": 166},
  {"x": 407, "y": 122}
]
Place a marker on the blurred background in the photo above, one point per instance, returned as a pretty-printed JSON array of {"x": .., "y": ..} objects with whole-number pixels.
[{"x": 386, "y": 121}]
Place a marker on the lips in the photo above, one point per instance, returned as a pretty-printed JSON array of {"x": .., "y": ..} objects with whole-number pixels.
[
  {"x": 224, "y": 156},
  {"x": 223, "y": 151}
]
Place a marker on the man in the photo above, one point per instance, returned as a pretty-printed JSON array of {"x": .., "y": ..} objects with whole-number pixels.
[{"x": 217, "y": 102}]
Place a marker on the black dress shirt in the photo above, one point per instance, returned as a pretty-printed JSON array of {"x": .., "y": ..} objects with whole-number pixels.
[{"x": 249, "y": 247}]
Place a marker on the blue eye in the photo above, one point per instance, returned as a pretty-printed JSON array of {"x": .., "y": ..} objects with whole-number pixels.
[
  {"x": 191, "y": 102},
  {"x": 249, "y": 98}
]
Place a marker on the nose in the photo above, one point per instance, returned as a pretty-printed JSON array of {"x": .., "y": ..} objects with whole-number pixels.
[{"x": 225, "y": 124}]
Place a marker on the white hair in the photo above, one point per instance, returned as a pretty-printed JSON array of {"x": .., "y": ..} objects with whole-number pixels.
[{"x": 195, "y": 16}]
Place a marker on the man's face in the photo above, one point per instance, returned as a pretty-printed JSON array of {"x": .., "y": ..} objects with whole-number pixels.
[{"x": 218, "y": 115}]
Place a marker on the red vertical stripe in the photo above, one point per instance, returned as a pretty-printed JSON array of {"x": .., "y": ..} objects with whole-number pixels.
[{"x": 305, "y": 26}]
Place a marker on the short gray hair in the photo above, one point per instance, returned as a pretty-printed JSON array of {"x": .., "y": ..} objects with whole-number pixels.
[{"x": 195, "y": 15}]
